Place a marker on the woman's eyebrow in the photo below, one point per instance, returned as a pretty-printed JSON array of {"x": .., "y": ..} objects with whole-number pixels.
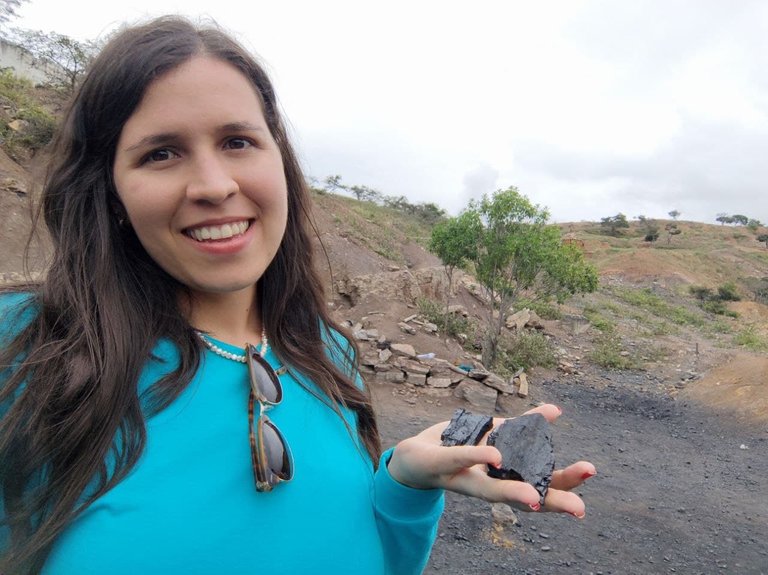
[
  {"x": 166, "y": 137},
  {"x": 153, "y": 140},
  {"x": 242, "y": 126}
]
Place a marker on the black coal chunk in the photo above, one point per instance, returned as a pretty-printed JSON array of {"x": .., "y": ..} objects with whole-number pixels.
[
  {"x": 527, "y": 454},
  {"x": 466, "y": 428}
]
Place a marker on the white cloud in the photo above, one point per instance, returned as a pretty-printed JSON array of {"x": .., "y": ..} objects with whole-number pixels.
[{"x": 590, "y": 107}]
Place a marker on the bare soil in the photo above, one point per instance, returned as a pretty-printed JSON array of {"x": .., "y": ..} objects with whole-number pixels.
[{"x": 681, "y": 487}]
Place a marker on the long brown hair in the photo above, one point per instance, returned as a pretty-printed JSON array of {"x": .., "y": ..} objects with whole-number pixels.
[{"x": 104, "y": 303}]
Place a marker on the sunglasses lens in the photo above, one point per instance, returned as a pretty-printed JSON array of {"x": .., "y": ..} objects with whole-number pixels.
[
  {"x": 277, "y": 458},
  {"x": 264, "y": 380}
]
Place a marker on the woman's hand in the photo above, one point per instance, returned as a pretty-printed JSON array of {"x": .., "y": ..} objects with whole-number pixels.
[{"x": 421, "y": 462}]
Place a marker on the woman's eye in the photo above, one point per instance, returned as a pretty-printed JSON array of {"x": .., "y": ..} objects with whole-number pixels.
[
  {"x": 237, "y": 144},
  {"x": 161, "y": 155}
]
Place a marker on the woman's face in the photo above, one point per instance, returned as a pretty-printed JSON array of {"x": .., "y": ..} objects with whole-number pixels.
[{"x": 202, "y": 179}]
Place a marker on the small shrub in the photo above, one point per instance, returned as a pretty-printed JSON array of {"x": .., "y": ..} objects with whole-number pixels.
[
  {"x": 751, "y": 339},
  {"x": 700, "y": 292},
  {"x": 717, "y": 307},
  {"x": 727, "y": 292},
  {"x": 526, "y": 350},
  {"x": 544, "y": 309},
  {"x": 598, "y": 320},
  {"x": 450, "y": 324},
  {"x": 607, "y": 353},
  {"x": 17, "y": 97}
]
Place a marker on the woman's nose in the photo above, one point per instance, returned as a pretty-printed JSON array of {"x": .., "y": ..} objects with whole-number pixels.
[{"x": 210, "y": 180}]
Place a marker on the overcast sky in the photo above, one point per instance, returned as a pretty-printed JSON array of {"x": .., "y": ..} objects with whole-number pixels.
[{"x": 589, "y": 107}]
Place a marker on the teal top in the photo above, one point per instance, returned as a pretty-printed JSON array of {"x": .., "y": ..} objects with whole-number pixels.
[{"x": 190, "y": 505}]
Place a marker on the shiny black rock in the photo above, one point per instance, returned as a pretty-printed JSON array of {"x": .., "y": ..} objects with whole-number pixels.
[
  {"x": 527, "y": 454},
  {"x": 466, "y": 428}
]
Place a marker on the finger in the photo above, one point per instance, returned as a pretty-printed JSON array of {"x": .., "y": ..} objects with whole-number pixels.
[
  {"x": 558, "y": 501},
  {"x": 550, "y": 411},
  {"x": 451, "y": 460},
  {"x": 572, "y": 476},
  {"x": 477, "y": 483}
]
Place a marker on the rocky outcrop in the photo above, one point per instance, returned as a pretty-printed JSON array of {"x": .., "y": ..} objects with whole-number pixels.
[{"x": 400, "y": 363}]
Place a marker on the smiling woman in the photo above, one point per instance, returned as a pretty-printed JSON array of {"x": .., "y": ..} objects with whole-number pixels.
[
  {"x": 202, "y": 181},
  {"x": 174, "y": 396}
]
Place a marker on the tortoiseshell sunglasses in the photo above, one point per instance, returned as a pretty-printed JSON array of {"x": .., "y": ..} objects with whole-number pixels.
[{"x": 270, "y": 455}]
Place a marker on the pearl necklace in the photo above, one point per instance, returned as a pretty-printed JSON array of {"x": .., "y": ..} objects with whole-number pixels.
[{"x": 233, "y": 356}]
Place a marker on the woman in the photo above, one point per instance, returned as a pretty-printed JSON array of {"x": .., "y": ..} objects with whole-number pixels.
[{"x": 134, "y": 435}]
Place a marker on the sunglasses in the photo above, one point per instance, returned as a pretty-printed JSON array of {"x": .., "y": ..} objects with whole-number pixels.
[{"x": 270, "y": 455}]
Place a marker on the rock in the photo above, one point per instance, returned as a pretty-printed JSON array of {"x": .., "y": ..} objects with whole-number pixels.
[
  {"x": 466, "y": 428},
  {"x": 503, "y": 515},
  {"x": 369, "y": 359},
  {"x": 458, "y": 310},
  {"x": 525, "y": 444},
  {"x": 499, "y": 384},
  {"x": 477, "y": 394},
  {"x": 405, "y": 328},
  {"x": 522, "y": 390},
  {"x": 18, "y": 125},
  {"x": 411, "y": 366},
  {"x": 403, "y": 349},
  {"x": 430, "y": 327},
  {"x": 417, "y": 379},
  {"x": 384, "y": 355},
  {"x": 534, "y": 321},
  {"x": 439, "y": 382},
  {"x": 519, "y": 319},
  {"x": 394, "y": 376},
  {"x": 479, "y": 374},
  {"x": 13, "y": 186},
  {"x": 566, "y": 367},
  {"x": 373, "y": 334},
  {"x": 577, "y": 324},
  {"x": 361, "y": 335}
]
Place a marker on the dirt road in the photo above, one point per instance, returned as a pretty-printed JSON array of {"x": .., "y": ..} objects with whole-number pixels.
[{"x": 679, "y": 489}]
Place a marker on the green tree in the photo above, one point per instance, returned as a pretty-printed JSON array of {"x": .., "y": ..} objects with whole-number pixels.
[
  {"x": 65, "y": 58},
  {"x": 333, "y": 183},
  {"x": 724, "y": 218},
  {"x": 614, "y": 224},
  {"x": 455, "y": 242},
  {"x": 429, "y": 212},
  {"x": 519, "y": 255},
  {"x": 674, "y": 214},
  {"x": 672, "y": 230},
  {"x": 763, "y": 238},
  {"x": 740, "y": 219},
  {"x": 754, "y": 224},
  {"x": 649, "y": 228}
]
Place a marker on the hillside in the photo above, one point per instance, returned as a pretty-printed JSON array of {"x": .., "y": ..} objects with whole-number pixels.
[
  {"x": 668, "y": 400},
  {"x": 643, "y": 316}
]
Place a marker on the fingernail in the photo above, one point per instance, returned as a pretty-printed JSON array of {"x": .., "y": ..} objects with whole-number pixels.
[
  {"x": 579, "y": 516},
  {"x": 587, "y": 475},
  {"x": 535, "y": 506}
]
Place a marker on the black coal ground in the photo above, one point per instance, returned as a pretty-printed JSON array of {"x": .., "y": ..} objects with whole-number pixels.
[{"x": 679, "y": 489}]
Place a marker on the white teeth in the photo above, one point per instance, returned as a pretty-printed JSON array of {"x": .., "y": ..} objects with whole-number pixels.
[{"x": 218, "y": 232}]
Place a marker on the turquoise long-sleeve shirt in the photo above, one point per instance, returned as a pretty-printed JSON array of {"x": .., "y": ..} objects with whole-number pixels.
[{"x": 190, "y": 505}]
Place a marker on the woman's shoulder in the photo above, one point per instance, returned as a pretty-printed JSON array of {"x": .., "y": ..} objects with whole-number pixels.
[
  {"x": 340, "y": 349},
  {"x": 17, "y": 310}
]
